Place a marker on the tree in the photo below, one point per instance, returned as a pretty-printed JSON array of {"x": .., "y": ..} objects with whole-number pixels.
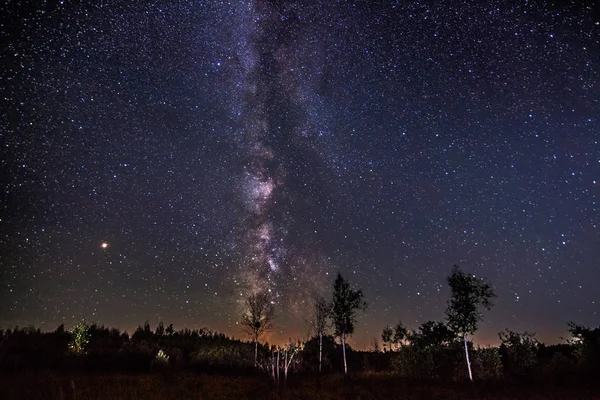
[
  {"x": 80, "y": 337},
  {"x": 394, "y": 336},
  {"x": 586, "y": 342},
  {"x": 386, "y": 337},
  {"x": 160, "y": 329},
  {"x": 519, "y": 351},
  {"x": 400, "y": 333},
  {"x": 432, "y": 334},
  {"x": 322, "y": 312},
  {"x": 290, "y": 350},
  {"x": 346, "y": 302},
  {"x": 462, "y": 312},
  {"x": 258, "y": 318}
]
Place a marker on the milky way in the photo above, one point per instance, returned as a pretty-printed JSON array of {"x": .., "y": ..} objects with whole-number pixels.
[
  {"x": 274, "y": 121},
  {"x": 161, "y": 161}
]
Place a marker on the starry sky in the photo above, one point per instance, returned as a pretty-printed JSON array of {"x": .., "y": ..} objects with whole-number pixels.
[{"x": 161, "y": 161}]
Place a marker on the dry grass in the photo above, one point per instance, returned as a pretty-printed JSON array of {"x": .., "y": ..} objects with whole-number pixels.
[{"x": 175, "y": 386}]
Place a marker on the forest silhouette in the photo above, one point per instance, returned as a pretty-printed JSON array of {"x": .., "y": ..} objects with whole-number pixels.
[{"x": 435, "y": 359}]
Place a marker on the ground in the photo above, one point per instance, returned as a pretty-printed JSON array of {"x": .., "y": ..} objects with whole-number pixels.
[{"x": 363, "y": 386}]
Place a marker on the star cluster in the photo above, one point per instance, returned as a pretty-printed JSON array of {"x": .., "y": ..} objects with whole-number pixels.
[{"x": 162, "y": 160}]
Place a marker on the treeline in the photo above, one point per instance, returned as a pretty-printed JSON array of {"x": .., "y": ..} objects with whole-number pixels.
[
  {"x": 437, "y": 350},
  {"x": 430, "y": 352},
  {"x": 94, "y": 347}
]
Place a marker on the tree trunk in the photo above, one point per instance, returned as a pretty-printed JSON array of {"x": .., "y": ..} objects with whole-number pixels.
[
  {"x": 285, "y": 370},
  {"x": 467, "y": 356},
  {"x": 273, "y": 364},
  {"x": 278, "y": 352},
  {"x": 320, "y": 349},
  {"x": 344, "y": 351},
  {"x": 255, "y": 353}
]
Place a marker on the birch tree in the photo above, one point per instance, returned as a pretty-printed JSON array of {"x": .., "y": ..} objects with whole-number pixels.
[
  {"x": 258, "y": 318},
  {"x": 346, "y": 302},
  {"x": 468, "y": 295},
  {"x": 322, "y": 311},
  {"x": 290, "y": 351}
]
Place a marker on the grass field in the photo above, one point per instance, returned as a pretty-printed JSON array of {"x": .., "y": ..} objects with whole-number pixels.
[{"x": 177, "y": 386}]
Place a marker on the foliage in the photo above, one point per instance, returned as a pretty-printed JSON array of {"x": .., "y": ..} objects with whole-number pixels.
[
  {"x": 160, "y": 329},
  {"x": 80, "y": 337},
  {"x": 400, "y": 333},
  {"x": 487, "y": 363},
  {"x": 310, "y": 357},
  {"x": 468, "y": 293},
  {"x": 393, "y": 338},
  {"x": 442, "y": 362},
  {"x": 161, "y": 361},
  {"x": 422, "y": 358},
  {"x": 431, "y": 334},
  {"x": 587, "y": 345},
  {"x": 322, "y": 313},
  {"x": 560, "y": 367},
  {"x": 519, "y": 352},
  {"x": 346, "y": 302},
  {"x": 386, "y": 337}
]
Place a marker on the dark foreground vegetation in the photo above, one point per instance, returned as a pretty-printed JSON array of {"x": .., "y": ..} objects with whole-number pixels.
[
  {"x": 435, "y": 360},
  {"x": 162, "y": 363},
  {"x": 186, "y": 385}
]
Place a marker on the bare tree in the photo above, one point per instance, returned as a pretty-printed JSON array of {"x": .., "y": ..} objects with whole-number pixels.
[
  {"x": 346, "y": 302},
  {"x": 282, "y": 358},
  {"x": 258, "y": 318},
  {"x": 322, "y": 312},
  {"x": 290, "y": 350},
  {"x": 468, "y": 294}
]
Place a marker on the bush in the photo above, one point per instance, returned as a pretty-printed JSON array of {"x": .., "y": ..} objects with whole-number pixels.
[
  {"x": 80, "y": 337},
  {"x": 559, "y": 367},
  {"x": 445, "y": 362},
  {"x": 487, "y": 364},
  {"x": 161, "y": 362},
  {"x": 519, "y": 352}
]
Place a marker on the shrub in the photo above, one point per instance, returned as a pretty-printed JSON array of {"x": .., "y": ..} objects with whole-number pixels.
[
  {"x": 519, "y": 352},
  {"x": 80, "y": 337},
  {"x": 161, "y": 361},
  {"x": 487, "y": 364}
]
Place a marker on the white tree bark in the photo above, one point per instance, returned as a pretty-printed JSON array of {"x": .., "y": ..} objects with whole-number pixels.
[
  {"x": 278, "y": 367},
  {"x": 344, "y": 351},
  {"x": 285, "y": 371},
  {"x": 467, "y": 356},
  {"x": 320, "y": 349},
  {"x": 255, "y": 352},
  {"x": 273, "y": 363}
]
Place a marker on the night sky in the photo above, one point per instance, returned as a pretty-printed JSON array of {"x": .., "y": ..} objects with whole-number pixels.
[{"x": 162, "y": 161}]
